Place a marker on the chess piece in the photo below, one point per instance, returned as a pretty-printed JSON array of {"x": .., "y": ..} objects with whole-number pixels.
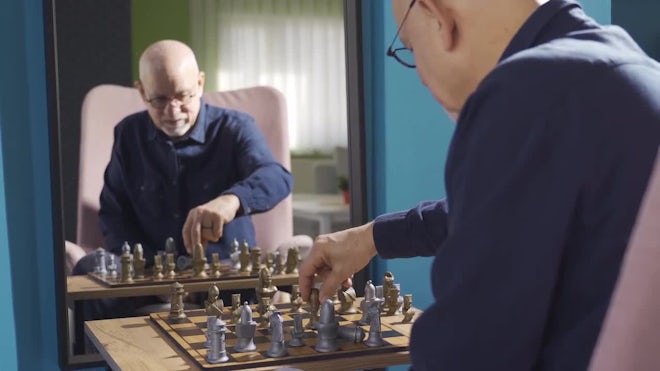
[
  {"x": 214, "y": 306},
  {"x": 158, "y": 267},
  {"x": 216, "y": 334},
  {"x": 170, "y": 246},
  {"x": 112, "y": 266},
  {"x": 255, "y": 259},
  {"x": 244, "y": 257},
  {"x": 313, "y": 308},
  {"x": 267, "y": 309},
  {"x": 236, "y": 307},
  {"x": 347, "y": 297},
  {"x": 354, "y": 334},
  {"x": 394, "y": 301},
  {"x": 215, "y": 265},
  {"x": 270, "y": 262},
  {"x": 234, "y": 255},
  {"x": 176, "y": 301},
  {"x": 170, "y": 266},
  {"x": 297, "y": 332},
  {"x": 199, "y": 260},
  {"x": 99, "y": 262},
  {"x": 407, "y": 302},
  {"x": 245, "y": 329},
  {"x": 369, "y": 296},
  {"x": 279, "y": 266},
  {"x": 408, "y": 316},
  {"x": 265, "y": 287},
  {"x": 126, "y": 261},
  {"x": 125, "y": 248},
  {"x": 296, "y": 299},
  {"x": 327, "y": 328},
  {"x": 138, "y": 260},
  {"x": 388, "y": 284},
  {"x": 292, "y": 260},
  {"x": 277, "y": 346},
  {"x": 373, "y": 318}
]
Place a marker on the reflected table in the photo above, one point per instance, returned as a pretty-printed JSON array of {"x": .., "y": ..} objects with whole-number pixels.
[{"x": 322, "y": 208}]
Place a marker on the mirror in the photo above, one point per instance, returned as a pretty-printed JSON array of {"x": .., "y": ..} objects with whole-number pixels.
[{"x": 89, "y": 43}]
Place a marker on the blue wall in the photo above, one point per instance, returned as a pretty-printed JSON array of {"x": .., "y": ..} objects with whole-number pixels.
[
  {"x": 25, "y": 220},
  {"x": 640, "y": 19}
]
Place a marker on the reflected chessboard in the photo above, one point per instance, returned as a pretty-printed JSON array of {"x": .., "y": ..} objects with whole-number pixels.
[
  {"x": 183, "y": 277},
  {"x": 190, "y": 335}
]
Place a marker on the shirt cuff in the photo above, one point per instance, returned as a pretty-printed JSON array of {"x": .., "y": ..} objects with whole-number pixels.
[{"x": 388, "y": 232}]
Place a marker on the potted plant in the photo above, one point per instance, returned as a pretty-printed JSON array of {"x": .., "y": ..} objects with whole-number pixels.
[{"x": 342, "y": 184}]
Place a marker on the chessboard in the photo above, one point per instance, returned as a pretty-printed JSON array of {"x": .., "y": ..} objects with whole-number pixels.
[
  {"x": 183, "y": 277},
  {"x": 189, "y": 335}
]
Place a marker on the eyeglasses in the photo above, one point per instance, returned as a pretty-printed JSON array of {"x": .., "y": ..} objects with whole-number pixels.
[
  {"x": 180, "y": 99},
  {"x": 402, "y": 55}
]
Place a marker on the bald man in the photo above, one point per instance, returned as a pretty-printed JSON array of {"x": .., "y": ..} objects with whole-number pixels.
[
  {"x": 183, "y": 168},
  {"x": 558, "y": 125}
]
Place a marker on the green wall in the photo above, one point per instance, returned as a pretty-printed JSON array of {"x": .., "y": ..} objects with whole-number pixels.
[{"x": 153, "y": 20}]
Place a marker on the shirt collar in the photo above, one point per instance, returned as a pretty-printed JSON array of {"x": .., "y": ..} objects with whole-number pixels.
[
  {"x": 198, "y": 132},
  {"x": 534, "y": 29}
]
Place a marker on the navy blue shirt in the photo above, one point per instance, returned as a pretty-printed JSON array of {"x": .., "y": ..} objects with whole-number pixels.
[
  {"x": 544, "y": 177},
  {"x": 152, "y": 182}
]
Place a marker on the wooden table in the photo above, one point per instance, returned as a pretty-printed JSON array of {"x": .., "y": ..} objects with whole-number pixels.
[
  {"x": 81, "y": 288},
  {"x": 135, "y": 344}
]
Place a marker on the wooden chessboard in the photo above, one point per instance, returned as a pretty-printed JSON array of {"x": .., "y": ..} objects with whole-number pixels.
[
  {"x": 183, "y": 277},
  {"x": 190, "y": 335}
]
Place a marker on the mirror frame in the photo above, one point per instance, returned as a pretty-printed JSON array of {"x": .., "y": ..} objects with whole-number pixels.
[{"x": 356, "y": 154}]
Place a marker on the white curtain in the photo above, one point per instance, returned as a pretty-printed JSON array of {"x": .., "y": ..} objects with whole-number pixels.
[{"x": 296, "y": 46}]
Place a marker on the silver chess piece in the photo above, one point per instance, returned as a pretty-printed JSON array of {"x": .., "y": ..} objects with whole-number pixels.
[
  {"x": 112, "y": 266},
  {"x": 373, "y": 318},
  {"x": 216, "y": 335},
  {"x": 234, "y": 255},
  {"x": 297, "y": 332},
  {"x": 354, "y": 334},
  {"x": 327, "y": 328},
  {"x": 277, "y": 346},
  {"x": 99, "y": 266},
  {"x": 245, "y": 329}
]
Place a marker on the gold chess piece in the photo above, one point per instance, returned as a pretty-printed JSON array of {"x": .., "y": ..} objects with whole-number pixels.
[
  {"x": 158, "y": 267},
  {"x": 176, "y": 301},
  {"x": 214, "y": 306},
  {"x": 244, "y": 257},
  {"x": 126, "y": 261},
  {"x": 255, "y": 258},
  {"x": 292, "y": 260},
  {"x": 198, "y": 261},
  {"x": 215, "y": 265},
  {"x": 296, "y": 299},
  {"x": 236, "y": 307},
  {"x": 170, "y": 266},
  {"x": 265, "y": 288}
]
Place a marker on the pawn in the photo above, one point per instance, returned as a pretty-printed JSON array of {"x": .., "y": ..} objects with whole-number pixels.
[
  {"x": 217, "y": 352},
  {"x": 327, "y": 328},
  {"x": 245, "y": 329},
  {"x": 268, "y": 310},
  {"x": 277, "y": 346},
  {"x": 297, "y": 332},
  {"x": 279, "y": 264},
  {"x": 215, "y": 265}
]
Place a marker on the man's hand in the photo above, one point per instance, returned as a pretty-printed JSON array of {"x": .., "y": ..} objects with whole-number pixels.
[
  {"x": 335, "y": 258},
  {"x": 205, "y": 222}
]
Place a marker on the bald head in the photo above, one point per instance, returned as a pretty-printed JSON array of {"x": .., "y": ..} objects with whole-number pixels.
[
  {"x": 167, "y": 57},
  {"x": 171, "y": 85}
]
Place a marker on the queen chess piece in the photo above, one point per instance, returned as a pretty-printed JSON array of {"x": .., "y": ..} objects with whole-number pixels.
[
  {"x": 327, "y": 328},
  {"x": 277, "y": 346},
  {"x": 245, "y": 329}
]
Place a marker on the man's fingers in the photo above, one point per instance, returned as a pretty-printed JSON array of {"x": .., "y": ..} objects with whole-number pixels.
[
  {"x": 331, "y": 282},
  {"x": 185, "y": 232}
]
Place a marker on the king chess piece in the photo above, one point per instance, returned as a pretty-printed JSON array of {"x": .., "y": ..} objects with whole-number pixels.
[
  {"x": 277, "y": 346},
  {"x": 327, "y": 328},
  {"x": 245, "y": 329}
]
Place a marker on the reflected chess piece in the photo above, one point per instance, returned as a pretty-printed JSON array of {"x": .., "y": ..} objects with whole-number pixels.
[
  {"x": 296, "y": 300},
  {"x": 328, "y": 328},
  {"x": 215, "y": 265},
  {"x": 236, "y": 307},
  {"x": 277, "y": 346},
  {"x": 255, "y": 259},
  {"x": 244, "y": 257},
  {"x": 158, "y": 267},
  {"x": 199, "y": 261},
  {"x": 270, "y": 262},
  {"x": 176, "y": 301},
  {"x": 138, "y": 260},
  {"x": 292, "y": 260},
  {"x": 245, "y": 329},
  {"x": 265, "y": 288},
  {"x": 279, "y": 267},
  {"x": 99, "y": 266}
]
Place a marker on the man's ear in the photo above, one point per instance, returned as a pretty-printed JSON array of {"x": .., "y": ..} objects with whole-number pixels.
[
  {"x": 200, "y": 81},
  {"x": 445, "y": 19},
  {"x": 140, "y": 88}
]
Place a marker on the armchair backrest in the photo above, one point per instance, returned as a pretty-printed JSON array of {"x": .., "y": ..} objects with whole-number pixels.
[
  {"x": 630, "y": 337},
  {"x": 105, "y": 105}
]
